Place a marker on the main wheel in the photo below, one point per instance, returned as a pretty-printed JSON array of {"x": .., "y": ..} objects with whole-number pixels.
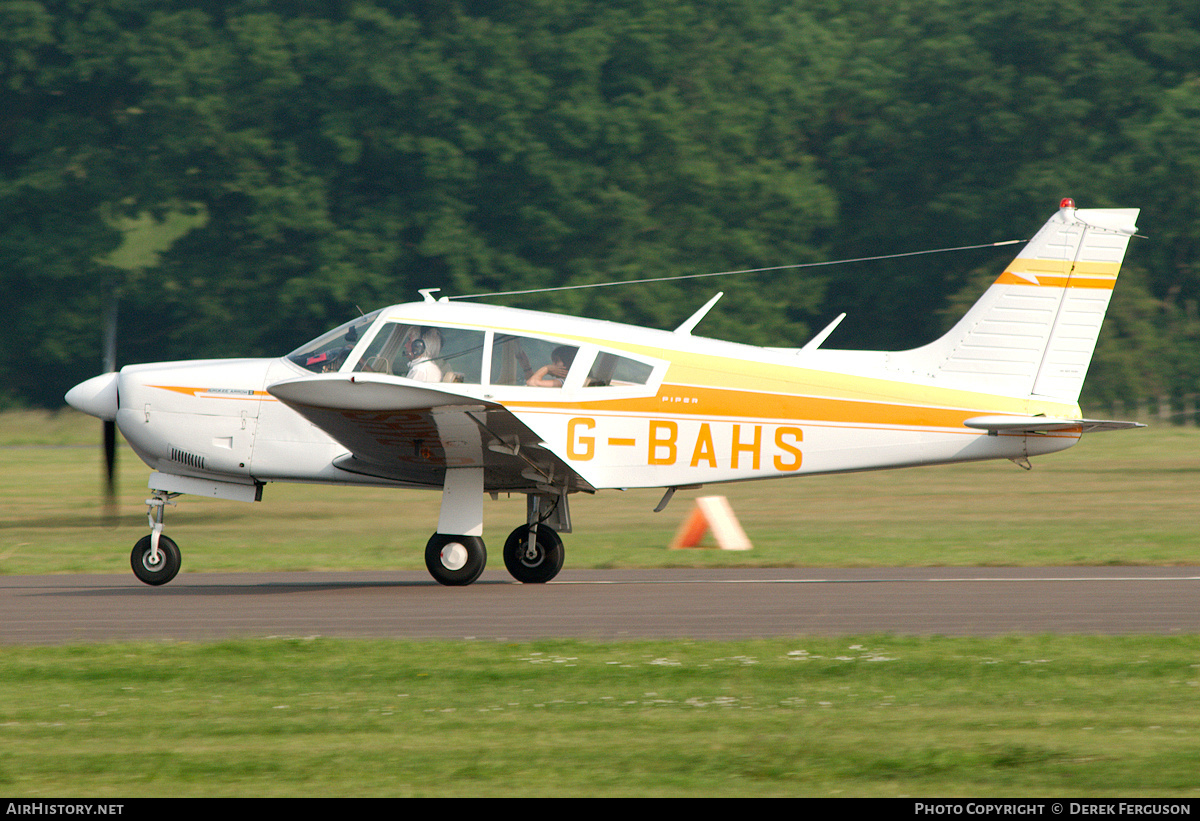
[
  {"x": 455, "y": 560},
  {"x": 539, "y": 565},
  {"x": 155, "y": 572}
]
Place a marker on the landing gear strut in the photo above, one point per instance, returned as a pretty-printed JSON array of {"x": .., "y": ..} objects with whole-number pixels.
[{"x": 533, "y": 553}]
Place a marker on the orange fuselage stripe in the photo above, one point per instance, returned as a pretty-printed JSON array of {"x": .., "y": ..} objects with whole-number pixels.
[
  {"x": 738, "y": 404},
  {"x": 214, "y": 393}
]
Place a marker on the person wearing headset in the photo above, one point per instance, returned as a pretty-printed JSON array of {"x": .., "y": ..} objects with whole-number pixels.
[{"x": 421, "y": 349}]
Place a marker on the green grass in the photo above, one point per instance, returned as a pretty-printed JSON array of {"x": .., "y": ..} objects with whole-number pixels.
[
  {"x": 879, "y": 716},
  {"x": 867, "y": 716},
  {"x": 1117, "y": 498}
]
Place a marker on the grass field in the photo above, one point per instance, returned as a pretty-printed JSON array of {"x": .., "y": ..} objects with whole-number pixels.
[
  {"x": 1126, "y": 497},
  {"x": 878, "y": 715}
]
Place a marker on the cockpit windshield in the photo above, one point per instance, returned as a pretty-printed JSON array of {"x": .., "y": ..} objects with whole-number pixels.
[{"x": 328, "y": 352}]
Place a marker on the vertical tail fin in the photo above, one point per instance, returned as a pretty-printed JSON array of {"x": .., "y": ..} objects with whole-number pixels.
[{"x": 1034, "y": 330}]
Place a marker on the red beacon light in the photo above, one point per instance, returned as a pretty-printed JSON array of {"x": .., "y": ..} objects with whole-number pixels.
[{"x": 1067, "y": 202}]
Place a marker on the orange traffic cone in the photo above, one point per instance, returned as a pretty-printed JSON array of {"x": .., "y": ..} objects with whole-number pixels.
[{"x": 711, "y": 512}]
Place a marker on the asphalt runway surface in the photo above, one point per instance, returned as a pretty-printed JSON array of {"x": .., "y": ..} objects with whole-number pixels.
[{"x": 605, "y": 604}]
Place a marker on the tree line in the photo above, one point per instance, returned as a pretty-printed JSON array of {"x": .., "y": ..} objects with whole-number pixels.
[{"x": 245, "y": 174}]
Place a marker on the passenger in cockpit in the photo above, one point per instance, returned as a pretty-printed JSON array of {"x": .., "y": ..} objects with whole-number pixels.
[{"x": 554, "y": 374}]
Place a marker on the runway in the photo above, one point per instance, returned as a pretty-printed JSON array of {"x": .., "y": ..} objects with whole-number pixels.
[{"x": 605, "y": 604}]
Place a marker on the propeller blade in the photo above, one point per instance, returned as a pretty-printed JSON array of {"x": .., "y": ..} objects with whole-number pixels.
[
  {"x": 110, "y": 469},
  {"x": 110, "y": 427}
]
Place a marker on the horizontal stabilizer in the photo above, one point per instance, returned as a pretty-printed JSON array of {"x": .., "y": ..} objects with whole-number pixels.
[{"x": 1044, "y": 424}]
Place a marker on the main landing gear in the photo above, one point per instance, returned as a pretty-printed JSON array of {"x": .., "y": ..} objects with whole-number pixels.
[
  {"x": 533, "y": 553},
  {"x": 455, "y": 560}
]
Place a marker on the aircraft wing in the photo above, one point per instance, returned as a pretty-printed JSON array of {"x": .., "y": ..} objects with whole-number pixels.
[
  {"x": 411, "y": 433},
  {"x": 1044, "y": 424}
]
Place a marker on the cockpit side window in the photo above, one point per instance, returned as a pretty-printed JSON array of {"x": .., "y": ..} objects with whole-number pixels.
[
  {"x": 425, "y": 353},
  {"x": 384, "y": 349},
  {"x": 328, "y": 352},
  {"x": 526, "y": 360},
  {"x": 462, "y": 356}
]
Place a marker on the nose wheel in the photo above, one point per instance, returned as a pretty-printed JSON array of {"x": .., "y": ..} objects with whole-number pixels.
[
  {"x": 155, "y": 558},
  {"x": 155, "y": 567}
]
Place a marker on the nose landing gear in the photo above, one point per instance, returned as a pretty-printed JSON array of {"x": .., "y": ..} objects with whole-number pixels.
[{"x": 155, "y": 558}]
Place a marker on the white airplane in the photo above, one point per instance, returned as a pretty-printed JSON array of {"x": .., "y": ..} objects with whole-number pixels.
[{"x": 475, "y": 399}]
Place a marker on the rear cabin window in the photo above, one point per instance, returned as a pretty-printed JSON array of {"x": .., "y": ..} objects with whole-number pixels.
[
  {"x": 609, "y": 369},
  {"x": 525, "y": 360}
]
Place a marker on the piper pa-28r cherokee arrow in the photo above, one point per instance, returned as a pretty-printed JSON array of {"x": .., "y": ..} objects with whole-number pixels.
[{"x": 476, "y": 399}]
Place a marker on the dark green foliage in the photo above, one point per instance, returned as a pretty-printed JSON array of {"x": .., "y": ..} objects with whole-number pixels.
[{"x": 345, "y": 154}]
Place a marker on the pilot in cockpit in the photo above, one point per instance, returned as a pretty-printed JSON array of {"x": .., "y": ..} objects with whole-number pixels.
[{"x": 421, "y": 348}]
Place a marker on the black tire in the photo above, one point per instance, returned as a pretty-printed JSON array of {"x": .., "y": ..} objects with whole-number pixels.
[
  {"x": 169, "y": 560},
  {"x": 540, "y": 567},
  {"x": 455, "y": 560}
]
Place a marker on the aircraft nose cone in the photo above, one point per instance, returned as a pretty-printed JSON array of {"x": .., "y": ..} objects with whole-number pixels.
[{"x": 96, "y": 396}]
